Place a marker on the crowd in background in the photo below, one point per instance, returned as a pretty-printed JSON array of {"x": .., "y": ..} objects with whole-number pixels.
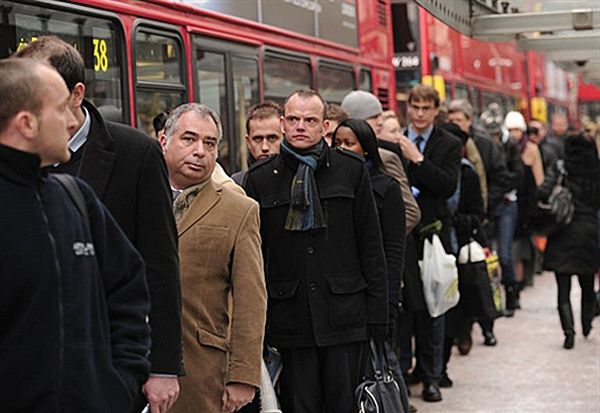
[{"x": 203, "y": 289}]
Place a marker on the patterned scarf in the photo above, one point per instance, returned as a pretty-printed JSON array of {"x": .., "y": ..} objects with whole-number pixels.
[
  {"x": 185, "y": 199},
  {"x": 305, "y": 211}
]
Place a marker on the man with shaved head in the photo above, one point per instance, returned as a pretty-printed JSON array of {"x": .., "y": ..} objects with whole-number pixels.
[
  {"x": 125, "y": 169},
  {"x": 74, "y": 297}
]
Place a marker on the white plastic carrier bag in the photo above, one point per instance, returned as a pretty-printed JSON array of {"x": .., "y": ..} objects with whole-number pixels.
[
  {"x": 439, "y": 276},
  {"x": 471, "y": 252}
]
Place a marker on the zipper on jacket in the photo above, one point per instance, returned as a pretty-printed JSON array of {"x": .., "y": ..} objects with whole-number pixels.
[{"x": 61, "y": 354}]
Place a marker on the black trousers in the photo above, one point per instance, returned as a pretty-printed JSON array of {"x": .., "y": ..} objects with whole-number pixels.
[
  {"x": 322, "y": 379},
  {"x": 586, "y": 282},
  {"x": 403, "y": 341},
  {"x": 139, "y": 402},
  {"x": 429, "y": 340}
]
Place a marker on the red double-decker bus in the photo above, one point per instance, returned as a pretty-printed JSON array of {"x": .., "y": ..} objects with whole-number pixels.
[
  {"x": 145, "y": 56},
  {"x": 427, "y": 50}
]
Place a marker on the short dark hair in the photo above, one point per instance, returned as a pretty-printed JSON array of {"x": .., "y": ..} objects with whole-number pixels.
[
  {"x": 366, "y": 136},
  {"x": 159, "y": 121},
  {"x": 61, "y": 55},
  {"x": 336, "y": 113},
  {"x": 307, "y": 94},
  {"x": 21, "y": 88},
  {"x": 424, "y": 92},
  {"x": 263, "y": 110}
]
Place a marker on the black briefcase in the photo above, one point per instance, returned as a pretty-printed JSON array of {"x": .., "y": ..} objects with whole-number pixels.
[{"x": 380, "y": 392}]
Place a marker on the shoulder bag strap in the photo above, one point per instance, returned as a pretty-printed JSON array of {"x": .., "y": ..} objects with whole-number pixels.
[
  {"x": 68, "y": 182},
  {"x": 560, "y": 166}
]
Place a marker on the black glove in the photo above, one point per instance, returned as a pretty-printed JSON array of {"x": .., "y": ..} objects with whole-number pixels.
[{"x": 378, "y": 332}]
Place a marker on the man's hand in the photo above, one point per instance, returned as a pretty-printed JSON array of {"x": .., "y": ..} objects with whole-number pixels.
[
  {"x": 161, "y": 392},
  {"x": 410, "y": 150},
  {"x": 394, "y": 139},
  {"x": 236, "y": 396},
  {"x": 529, "y": 155}
]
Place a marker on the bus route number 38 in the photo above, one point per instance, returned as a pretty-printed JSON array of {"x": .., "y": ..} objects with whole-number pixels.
[{"x": 100, "y": 55}]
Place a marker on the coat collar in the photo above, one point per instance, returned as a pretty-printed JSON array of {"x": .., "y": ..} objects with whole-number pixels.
[
  {"x": 380, "y": 183},
  {"x": 18, "y": 166},
  {"x": 204, "y": 202},
  {"x": 99, "y": 156}
]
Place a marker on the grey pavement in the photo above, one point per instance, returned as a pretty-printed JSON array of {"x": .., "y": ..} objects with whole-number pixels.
[{"x": 528, "y": 371}]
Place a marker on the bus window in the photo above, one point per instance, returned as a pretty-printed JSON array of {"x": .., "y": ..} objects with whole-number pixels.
[
  {"x": 227, "y": 81},
  {"x": 334, "y": 83},
  {"x": 448, "y": 90},
  {"x": 474, "y": 94},
  {"x": 157, "y": 58},
  {"x": 364, "y": 82},
  {"x": 283, "y": 75},
  {"x": 150, "y": 103},
  {"x": 159, "y": 75},
  {"x": 211, "y": 82},
  {"x": 491, "y": 97},
  {"x": 99, "y": 41},
  {"x": 461, "y": 92},
  {"x": 212, "y": 91},
  {"x": 512, "y": 103},
  {"x": 245, "y": 89}
]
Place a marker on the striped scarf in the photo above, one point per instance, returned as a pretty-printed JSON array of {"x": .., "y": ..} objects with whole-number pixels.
[{"x": 305, "y": 211}]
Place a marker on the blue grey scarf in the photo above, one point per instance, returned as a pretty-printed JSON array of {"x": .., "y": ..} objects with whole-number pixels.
[{"x": 305, "y": 211}]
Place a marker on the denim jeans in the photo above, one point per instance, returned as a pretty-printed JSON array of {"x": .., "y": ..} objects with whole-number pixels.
[{"x": 505, "y": 217}]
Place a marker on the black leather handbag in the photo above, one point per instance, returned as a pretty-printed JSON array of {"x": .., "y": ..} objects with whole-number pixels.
[
  {"x": 557, "y": 212},
  {"x": 380, "y": 392}
]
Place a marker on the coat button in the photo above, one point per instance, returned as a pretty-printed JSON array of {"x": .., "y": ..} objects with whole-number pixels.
[
  {"x": 275, "y": 171},
  {"x": 312, "y": 287},
  {"x": 275, "y": 202},
  {"x": 280, "y": 293},
  {"x": 310, "y": 250}
]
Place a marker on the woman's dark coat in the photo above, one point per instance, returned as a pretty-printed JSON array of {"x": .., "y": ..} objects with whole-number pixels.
[
  {"x": 391, "y": 212},
  {"x": 467, "y": 224},
  {"x": 574, "y": 249},
  {"x": 467, "y": 220}
]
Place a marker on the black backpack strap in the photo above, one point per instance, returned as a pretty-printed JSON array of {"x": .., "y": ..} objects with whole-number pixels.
[{"x": 68, "y": 182}]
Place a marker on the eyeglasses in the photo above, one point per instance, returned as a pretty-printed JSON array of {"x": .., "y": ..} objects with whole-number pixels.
[{"x": 310, "y": 121}]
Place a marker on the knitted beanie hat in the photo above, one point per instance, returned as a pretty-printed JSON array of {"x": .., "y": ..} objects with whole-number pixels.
[{"x": 361, "y": 105}]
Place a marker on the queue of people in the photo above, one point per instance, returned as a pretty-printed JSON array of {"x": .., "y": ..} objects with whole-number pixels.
[{"x": 165, "y": 290}]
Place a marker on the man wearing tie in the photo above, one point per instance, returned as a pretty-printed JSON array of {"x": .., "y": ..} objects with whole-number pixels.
[{"x": 433, "y": 158}]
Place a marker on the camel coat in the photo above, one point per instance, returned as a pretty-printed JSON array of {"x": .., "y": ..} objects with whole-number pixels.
[
  {"x": 394, "y": 167},
  {"x": 224, "y": 297}
]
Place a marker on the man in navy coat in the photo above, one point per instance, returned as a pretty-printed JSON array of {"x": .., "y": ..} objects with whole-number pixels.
[
  {"x": 126, "y": 170},
  {"x": 74, "y": 299}
]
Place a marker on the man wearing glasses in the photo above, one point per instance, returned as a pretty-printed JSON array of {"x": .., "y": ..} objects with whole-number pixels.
[
  {"x": 324, "y": 264},
  {"x": 433, "y": 166}
]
